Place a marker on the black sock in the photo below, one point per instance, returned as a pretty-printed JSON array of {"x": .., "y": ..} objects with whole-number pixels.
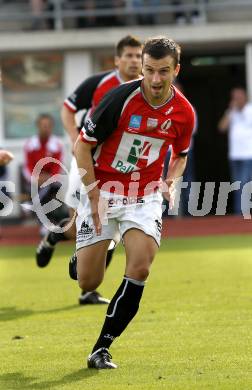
[
  {"x": 109, "y": 256},
  {"x": 121, "y": 311},
  {"x": 54, "y": 238}
]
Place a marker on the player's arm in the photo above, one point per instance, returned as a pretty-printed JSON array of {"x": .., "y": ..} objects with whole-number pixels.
[
  {"x": 83, "y": 154},
  {"x": 95, "y": 131},
  {"x": 5, "y": 157},
  {"x": 80, "y": 99},
  {"x": 176, "y": 169},
  {"x": 224, "y": 122},
  {"x": 178, "y": 158},
  {"x": 68, "y": 120}
]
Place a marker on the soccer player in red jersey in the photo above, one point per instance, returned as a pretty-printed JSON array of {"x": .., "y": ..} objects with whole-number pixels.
[
  {"x": 122, "y": 149},
  {"x": 86, "y": 97}
]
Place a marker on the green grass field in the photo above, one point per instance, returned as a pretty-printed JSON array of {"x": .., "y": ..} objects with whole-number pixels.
[{"x": 193, "y": 330}]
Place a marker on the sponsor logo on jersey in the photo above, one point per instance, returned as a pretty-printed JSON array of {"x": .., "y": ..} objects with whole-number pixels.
[
  {"x": 126, "y": 200},
  {"x": 152, "y": 122},
  {"x": 90, "y": 125},
  {"x": 135, "y": 121},
  {"x": 169, "y": 110},
  {"x": 136, "y": 152},
  {"x": 73, "y": 97},
  {"x": 165, "y": 126}
]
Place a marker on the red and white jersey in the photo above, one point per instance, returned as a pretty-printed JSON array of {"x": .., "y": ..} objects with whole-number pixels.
[
  {"x": 107, "y": 83},
  {"x": 36, "y": 149},
  {"x": 138, "y": 139},
  {"x": 91, "y": 91}
]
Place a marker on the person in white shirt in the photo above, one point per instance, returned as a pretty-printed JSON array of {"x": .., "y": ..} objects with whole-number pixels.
[{"x": 237, "y": 120}]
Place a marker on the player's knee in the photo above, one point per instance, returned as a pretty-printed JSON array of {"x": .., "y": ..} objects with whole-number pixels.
[
  {"x": 142, "y": 273},
  {"x": 88, "y": 284},
  {"x": 140, "y": 269},
  {"x": 139, "y": 272}
]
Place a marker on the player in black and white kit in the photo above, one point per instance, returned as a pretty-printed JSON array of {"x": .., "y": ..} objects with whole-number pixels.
[{"x": 86, "y": 97}]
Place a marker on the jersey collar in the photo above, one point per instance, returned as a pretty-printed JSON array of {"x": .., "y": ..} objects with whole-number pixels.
[{"x": 161, "y": 105}]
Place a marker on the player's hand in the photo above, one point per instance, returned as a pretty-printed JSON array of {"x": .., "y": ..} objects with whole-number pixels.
[
  {"x": 94, "y": 196},
  {"x": 169, "y": 192},
  {"x": 5, "y": 157}
]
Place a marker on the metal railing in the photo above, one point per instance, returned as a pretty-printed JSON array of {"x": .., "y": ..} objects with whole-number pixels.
[{"x": 60, "y": 11}]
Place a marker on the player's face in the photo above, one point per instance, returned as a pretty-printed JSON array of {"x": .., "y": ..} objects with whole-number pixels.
[
  {"x": 158, "y": 77},
  {"x": 129, "y": 63},
  {"x": 238, "y": 98},
  {"x": 45, "y": 126}
]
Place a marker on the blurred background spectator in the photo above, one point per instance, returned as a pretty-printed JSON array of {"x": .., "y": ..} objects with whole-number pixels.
[
  {"x": 37, "y": 9},
  {"x": 192, "y": 15},
  {"x": 92, "y": 17},
  {"x": 43, "y": 144},
  {"x": 145, "y": 18},
  {"x": 5, "y": 158},
  {"x": 237, "y": 121}
]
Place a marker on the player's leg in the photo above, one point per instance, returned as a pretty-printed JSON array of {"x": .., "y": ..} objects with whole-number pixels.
[
  {"x": 140, "y": 251},
  {"x": 46, "y": 247},
  {"x": 141, "y": 239},
  {"x": 91, "y": 262},
  {"x": 91, "y": 252},
  {"x": 92, "y": 297}
]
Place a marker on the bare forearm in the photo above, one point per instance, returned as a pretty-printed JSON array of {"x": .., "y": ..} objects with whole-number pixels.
[
  {"x": 68, "y": 120},
  {"x": 224, "y": 122},
  {"x": 84, "y": 159},
  {"x": 83, "y": 154},
  {"x": 176, "y": 168}
]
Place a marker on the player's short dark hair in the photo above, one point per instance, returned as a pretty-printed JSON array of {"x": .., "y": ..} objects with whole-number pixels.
[
  {"x": 129, "y": 40},
  {"x": 160, "y": 47}
]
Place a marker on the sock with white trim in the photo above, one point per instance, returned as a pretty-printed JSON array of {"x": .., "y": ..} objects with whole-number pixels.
[{"x": 121, "y": 310}]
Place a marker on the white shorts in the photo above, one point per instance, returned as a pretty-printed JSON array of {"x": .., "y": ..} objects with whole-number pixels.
[
  {"x": 74, "y": 186},
  {"x": 122, "y": 213}
]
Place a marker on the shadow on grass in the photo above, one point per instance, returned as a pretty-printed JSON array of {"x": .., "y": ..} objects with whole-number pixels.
[
  {"x": 13, "y": 313},
  {"x": 17, "y": 380}
]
